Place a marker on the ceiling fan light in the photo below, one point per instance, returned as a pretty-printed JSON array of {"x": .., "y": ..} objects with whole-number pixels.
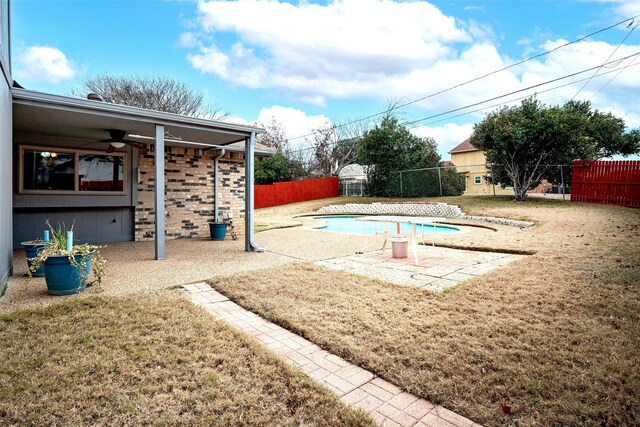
[{"x": 117, "y": 144}]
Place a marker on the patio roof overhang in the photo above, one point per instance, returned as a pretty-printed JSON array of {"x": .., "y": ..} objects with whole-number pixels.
[{"x": 55, "y": 115}]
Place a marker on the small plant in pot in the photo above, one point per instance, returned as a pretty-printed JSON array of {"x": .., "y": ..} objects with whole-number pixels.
[
  {"x": 31, "y": 248},
  {"x": 67, "y": 266}
]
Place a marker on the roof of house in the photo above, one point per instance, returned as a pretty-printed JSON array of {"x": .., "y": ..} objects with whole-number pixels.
[
  {"x": 55, "y": 115},
  {"x": 260, "y": 150},
  {"x": 463, "y": 147},
  {"x": 352, "y": 171}
]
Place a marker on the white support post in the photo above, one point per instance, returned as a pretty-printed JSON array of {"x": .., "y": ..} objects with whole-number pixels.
[
  {"x": 249, "y": 163},
  {"x": 159, "y": 192}
]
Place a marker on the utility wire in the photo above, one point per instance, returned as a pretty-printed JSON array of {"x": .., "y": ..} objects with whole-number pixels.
[
  {"x": 522, "y": 90},
  {"x": 395, "y": 107},
  {"x": 613, "y": 78},
  {"x": 608, "y": 58},
  {"x": 527, "y": 96},
  {"x": 499, "y": 96}
]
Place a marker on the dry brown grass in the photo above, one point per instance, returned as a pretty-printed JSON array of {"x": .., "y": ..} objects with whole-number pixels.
[
  {"x": 148, "y": 361},
  {"x": 558, "y": 332}
]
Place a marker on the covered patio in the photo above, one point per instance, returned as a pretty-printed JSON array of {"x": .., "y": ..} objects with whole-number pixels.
[
  {"x": 132, "y": 269},
  {"x": 42, "y": 120}
]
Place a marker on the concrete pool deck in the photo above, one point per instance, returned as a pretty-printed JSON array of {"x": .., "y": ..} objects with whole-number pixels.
[{"x": 438, "y": 268}]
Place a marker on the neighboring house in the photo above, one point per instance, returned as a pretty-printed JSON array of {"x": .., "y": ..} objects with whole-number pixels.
[
  {"x": 352, "y": 173},
  {"x": 53, "y": 166},
  {"x": 353, "y": 179},
  {"x": 471, "y": 162}
]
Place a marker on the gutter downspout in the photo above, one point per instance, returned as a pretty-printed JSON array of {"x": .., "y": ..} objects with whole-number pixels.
[
  {"x": 215, "y": 184},
  {"x": 249, "y": 161}
]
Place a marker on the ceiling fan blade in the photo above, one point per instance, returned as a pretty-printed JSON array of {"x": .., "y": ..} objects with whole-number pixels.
[
  {"x": 139, "y": 146},
  {"x": 107, "y": 140},
  {"x": 111, "y": 149}
]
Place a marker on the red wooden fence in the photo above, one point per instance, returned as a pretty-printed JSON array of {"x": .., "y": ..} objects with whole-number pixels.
[
  {"x": 606, "y": 182},
  {"x": 282, "y": 193}
]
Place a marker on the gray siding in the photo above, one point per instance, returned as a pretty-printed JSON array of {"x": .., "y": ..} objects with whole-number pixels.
[
  {"x": 5, "y": 147},
  {"x": 101, "y": 225},
  {"x": 98, "y": 218}
]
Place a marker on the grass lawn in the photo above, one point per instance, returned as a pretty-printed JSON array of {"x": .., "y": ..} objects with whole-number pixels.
[
  {"x": 148, "y": 361},
  {"x": 555, "y": 336}
]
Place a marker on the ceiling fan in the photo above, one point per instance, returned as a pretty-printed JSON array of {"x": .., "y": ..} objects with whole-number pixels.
[{"x": 117, "y": 141}]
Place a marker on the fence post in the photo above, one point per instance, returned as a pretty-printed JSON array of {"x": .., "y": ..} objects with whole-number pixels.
[
  {"x": 401, "y": 184},
  {"x": 562, "y": 178},
  {"x": 493, "y": 181},
  {"x": 440, "y": 181}
]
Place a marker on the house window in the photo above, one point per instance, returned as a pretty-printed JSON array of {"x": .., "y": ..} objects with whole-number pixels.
[
  {"x": 100, "y": 172},
  {"x": 477, "y": 179},
  {"x": 48, "y": 170}
]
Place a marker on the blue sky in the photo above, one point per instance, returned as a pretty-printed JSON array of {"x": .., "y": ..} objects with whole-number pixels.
[{"x": 306, "y": 63}]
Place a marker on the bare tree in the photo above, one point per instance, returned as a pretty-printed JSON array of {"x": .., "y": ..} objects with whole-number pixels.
[
  {"x": 334, "y": 145},
  {"x": 151, "y": 92},
  {"x": 274, "y": 137},
  {"x": 302, "y": 163}
]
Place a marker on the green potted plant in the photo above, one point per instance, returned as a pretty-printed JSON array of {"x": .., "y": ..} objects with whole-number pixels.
[
  {"x": 67, "y": 266},
  {"x": 31, "y": 248}
]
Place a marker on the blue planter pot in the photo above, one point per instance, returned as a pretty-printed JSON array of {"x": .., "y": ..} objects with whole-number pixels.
[
  {"x": 63, "y": 278},
  {"x": 32, "y": 250},
  {"x": 218, "y": 230}
]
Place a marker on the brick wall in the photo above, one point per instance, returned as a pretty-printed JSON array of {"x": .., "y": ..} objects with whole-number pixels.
[{"x": 189, "y": 192}]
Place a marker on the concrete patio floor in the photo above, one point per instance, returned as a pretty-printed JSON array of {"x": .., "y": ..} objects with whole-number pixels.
[{"x": 131, "y": 268}]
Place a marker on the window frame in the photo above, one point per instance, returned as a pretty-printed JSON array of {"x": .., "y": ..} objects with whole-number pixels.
[
  {"x": 77, "y": 152},
  {"x": 475, "y": 179}
]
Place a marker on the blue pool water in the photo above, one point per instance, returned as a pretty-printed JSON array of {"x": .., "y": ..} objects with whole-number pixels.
[{"x": 348, "y": 224}]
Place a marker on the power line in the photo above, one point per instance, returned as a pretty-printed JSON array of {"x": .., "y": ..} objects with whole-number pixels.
[
  {"x": 395, "y": 107},
  {"x": 500, "y": 96},
  {"x": 522, "y": 90},
  {"x": 613, "y": 78},
  {"x": 527, "y": 96},
  {"x": 608, "y": 58}
]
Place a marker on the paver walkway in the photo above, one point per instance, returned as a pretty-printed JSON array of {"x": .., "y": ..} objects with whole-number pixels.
[
  {"x": 387, "y": 404},
  {"x": 438, "y": 268}
]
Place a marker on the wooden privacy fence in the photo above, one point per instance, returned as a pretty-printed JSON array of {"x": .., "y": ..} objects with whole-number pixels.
[
  {"x": 608, "y": 182},
  {"x": 282, "y": 193}
]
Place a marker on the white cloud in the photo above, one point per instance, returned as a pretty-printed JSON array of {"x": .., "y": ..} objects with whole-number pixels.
[
  {"x": 623, "y": 8},
  {"x": 294, "y": 122},
  {"x": 447, "y": 136},
  {"x": 401, "y": 50},
  {"x": 44, "y": 64},
  {"x": 188, "y": 40},
  {"x": 342, "y": 49}
]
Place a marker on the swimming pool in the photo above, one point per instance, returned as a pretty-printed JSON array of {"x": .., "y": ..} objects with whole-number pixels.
[{"x": 348, "y": 224}]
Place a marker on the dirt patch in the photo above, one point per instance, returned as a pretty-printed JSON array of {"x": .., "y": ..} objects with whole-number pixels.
[{"x": 158, "y": 360}]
